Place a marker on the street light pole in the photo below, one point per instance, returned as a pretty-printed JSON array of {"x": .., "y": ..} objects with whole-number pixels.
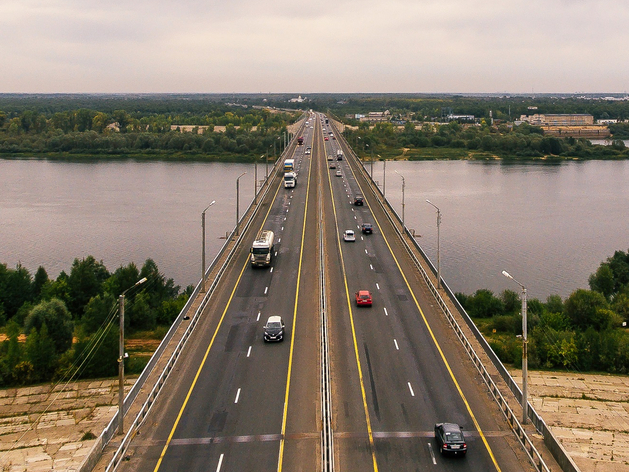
[
  {"x": 238, "y": 201},
  {"x": 384, "y": 179},
  {"x": 403, "y": 185},
  {"x": 525, "y": 388},
  {"x": 203, "y": 252},
  {"x": 121, "y": 357},
  {"x": 438, "y": 242}
]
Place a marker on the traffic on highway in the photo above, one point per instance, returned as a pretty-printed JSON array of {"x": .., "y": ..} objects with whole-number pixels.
[{"x": 247, "y": 394}]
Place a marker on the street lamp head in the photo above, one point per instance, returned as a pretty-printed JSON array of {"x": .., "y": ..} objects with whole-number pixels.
[
  {"x": 507, "y": 274},
  {"x": 141, "y": 281}
]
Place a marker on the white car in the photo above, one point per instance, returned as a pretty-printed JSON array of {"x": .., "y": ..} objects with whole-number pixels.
[
  {"x": 349, "y": 236},
  {"x": 338, "y": 173}
]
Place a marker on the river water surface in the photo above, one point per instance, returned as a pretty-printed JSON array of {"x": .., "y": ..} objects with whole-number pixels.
[{"x": 549, "y": 225}]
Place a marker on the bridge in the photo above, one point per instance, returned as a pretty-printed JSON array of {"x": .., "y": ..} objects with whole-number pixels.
[{"x": 350, "y": 388}]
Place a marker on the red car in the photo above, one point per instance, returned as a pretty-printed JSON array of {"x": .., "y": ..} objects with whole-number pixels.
[
  {"x": 363, "y": 298},
  {"x": 326, "y": 138}
]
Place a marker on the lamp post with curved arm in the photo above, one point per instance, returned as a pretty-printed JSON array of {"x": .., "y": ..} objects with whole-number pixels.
[
  {"x": 203, "y": 251},
  {"x": 121, "y": 358},
  {"x": 238, "y": 202},
  {"x": 438, "y": 242},
  {"x": 403, "y": 185},
  {"x": 525, "y": 388}
]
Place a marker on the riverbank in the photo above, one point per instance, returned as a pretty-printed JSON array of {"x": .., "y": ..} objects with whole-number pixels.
[{"x": 589, "y": 413}]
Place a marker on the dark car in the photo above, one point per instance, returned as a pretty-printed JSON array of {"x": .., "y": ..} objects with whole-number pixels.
[
  {"x": 358, "y": 200},
  {"x": 366, "y": 228},
  {"x": 450, "y": 439},
  {"x": 274, "y": 329}
]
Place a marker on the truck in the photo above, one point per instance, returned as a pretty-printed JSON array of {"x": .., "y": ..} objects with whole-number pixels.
[
  {"x": 300, "y": 140},
  {"x": 339, "y": 155},
  {"x": 262, "y": 249},
  {"x": 289, "y": 165},
  {"x": 290, "y": 179}
]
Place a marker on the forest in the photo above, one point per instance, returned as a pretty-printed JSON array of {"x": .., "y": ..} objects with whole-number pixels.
[
  {"x": 141, "y": 128},
  {"x": 68, "y": 327},
  {"x": 585, "y": 332}
]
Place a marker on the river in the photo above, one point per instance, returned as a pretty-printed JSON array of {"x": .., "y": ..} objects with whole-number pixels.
[{"x": 549, "y": 225}]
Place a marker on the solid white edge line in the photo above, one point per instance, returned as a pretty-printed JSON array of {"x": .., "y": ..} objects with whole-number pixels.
[
  {"x": 238, "y": 395},
  {"x": 409, "y": 387}
]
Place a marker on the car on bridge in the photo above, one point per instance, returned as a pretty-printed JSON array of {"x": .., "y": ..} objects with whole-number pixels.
[
  {"x": 332, "y": 165},
  {"x": 274, "y": 329},
  {"x": 339, "y": 173},
  {"x": 366, "y": 228},
  {"x": 450, "y": 439},
  {"x": 358, "y": 200},
  {"x": 349, "y": 236},
  {"x": 363, "y": 298}
]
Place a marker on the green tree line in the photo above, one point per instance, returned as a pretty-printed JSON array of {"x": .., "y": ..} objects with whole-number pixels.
[
  {"x": 584, "y": 332},
  {"x": 248, "y": 132},
  {"x": 523, "y": 141},
  {"x": 80, "y": 306}
]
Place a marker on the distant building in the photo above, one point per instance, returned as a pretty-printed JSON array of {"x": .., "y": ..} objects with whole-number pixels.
[
  {"x": 607, "y": 121},
  {"x": 377, "y": 116},
  {"x": 297, "y": 100},
  {"x": 558, "y": 119},
  {"x": 452, "y": 117}
]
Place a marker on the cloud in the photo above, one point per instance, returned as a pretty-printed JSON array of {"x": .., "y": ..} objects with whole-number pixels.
[{"x": 325, "y": 46}]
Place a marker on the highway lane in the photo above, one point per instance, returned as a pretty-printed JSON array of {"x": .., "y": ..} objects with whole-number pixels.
[
  {"x": 229, "y": 408},
  {"x": 406, "y": 384}
]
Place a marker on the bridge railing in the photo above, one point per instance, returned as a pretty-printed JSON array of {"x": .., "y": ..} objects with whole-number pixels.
[
  {"x": 552, "y": 443},
  {"x": 111, "y": 428}
]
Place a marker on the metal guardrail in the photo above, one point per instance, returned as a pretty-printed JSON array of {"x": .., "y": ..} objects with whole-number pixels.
[
  {"x": 146, "y": 407},
  {"x": 550, "y": 440}
]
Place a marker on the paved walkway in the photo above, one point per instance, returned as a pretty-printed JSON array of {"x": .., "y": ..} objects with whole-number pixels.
[
  {"x": 589, "y": 413},
  {"x": 37, "y": 434}
]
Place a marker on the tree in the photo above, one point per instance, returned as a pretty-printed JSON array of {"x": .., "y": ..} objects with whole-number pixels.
[
  {"x": 97, "y": 311},
  {"x": 41, "y": 353},
  {"x": 16, "y": 291},
  {"x": 40, "y": 280},
  {"x": 483, "y": 304},
  {"x": 603, "y": 280},
  {"x": 85, "y": 281},
  {"x": 583, "y": 309},
  {"x": 54, "y": 314}
]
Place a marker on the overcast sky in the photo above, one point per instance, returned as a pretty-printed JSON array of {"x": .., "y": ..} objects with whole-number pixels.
[{"x": 316, "y": 46}]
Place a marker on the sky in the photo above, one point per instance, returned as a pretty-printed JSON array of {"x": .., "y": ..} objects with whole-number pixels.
[{"x": 340, "y": 46}]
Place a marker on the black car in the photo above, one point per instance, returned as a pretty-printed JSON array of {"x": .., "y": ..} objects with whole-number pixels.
[
  {"x": 274, "y": 329},
  {"x": 358, "y": 200},
  {"x": 367, "y": 228},
  {"x": 450, "y": 439}
]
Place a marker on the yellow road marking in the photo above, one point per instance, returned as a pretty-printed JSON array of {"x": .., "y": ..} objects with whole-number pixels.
[
  {"x": 207, "y": 352},
  {"x": 351, "y": 318},
  {"x": 434, "y": 339},
  {"x": 292, "y": 338}
]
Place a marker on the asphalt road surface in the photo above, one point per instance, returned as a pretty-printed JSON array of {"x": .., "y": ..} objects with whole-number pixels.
[{"x": 236, "y": 403}]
